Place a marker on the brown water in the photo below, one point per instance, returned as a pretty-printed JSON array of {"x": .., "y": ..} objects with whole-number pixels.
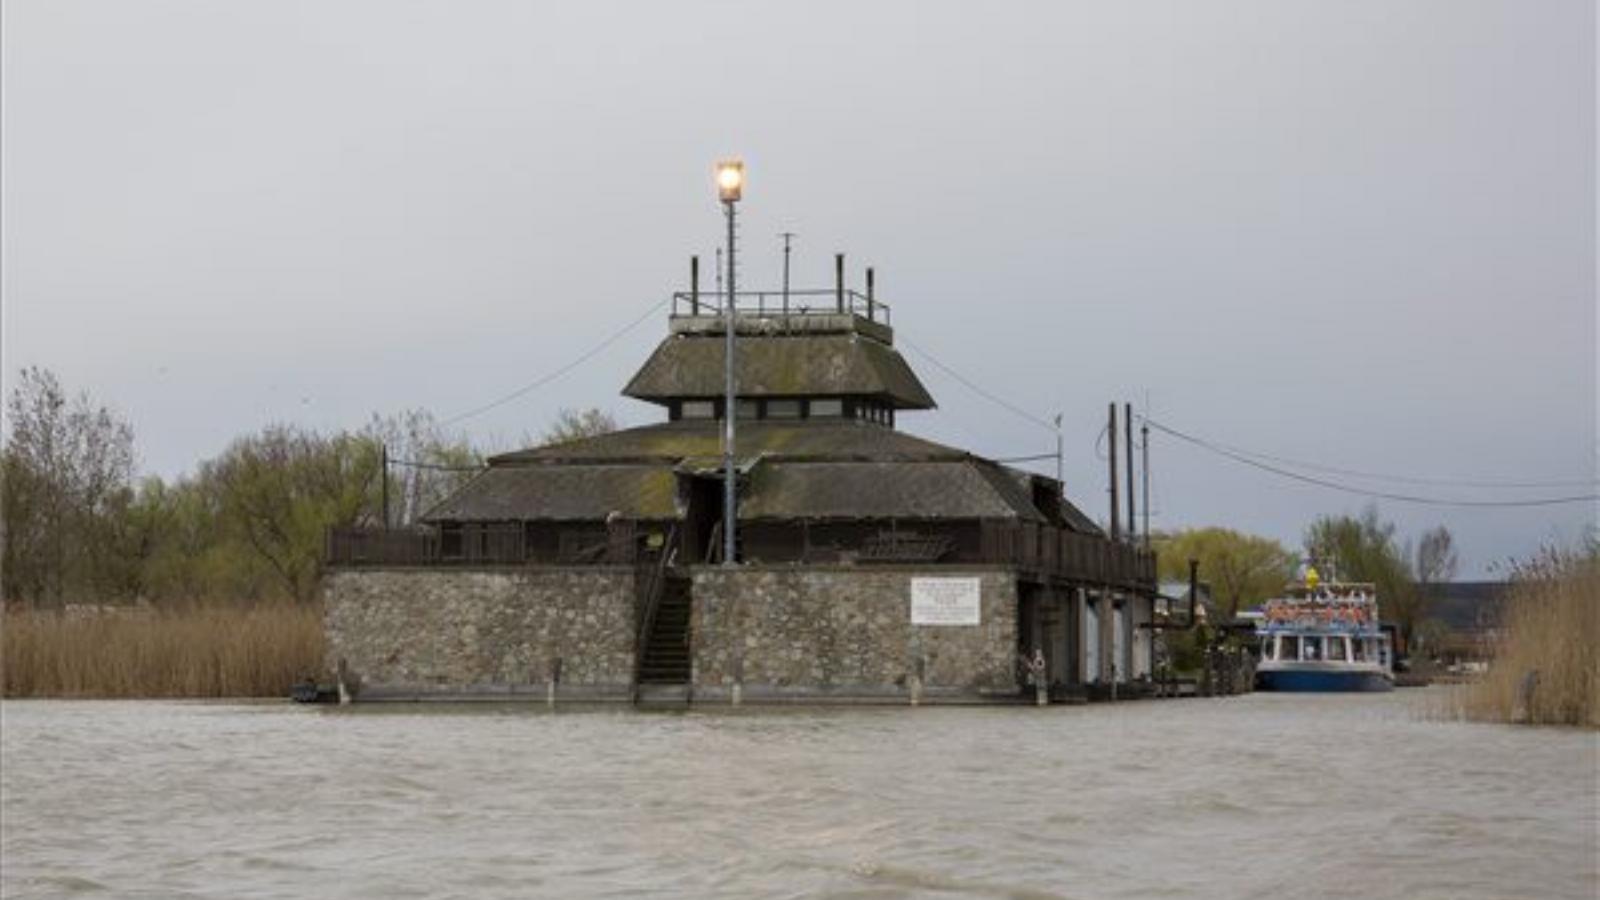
[{"x": 1274, "y": 796}]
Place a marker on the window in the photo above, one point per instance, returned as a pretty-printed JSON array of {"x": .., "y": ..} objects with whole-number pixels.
[
  {"x": 1358, "y": 647},
  {"x": 749, "y": 409},
  {"x": 783, "y": 409},
  {"x": 827, "y": 409},
  {"x": 697, "y": 409},
  {"x": 1336, "y": 651},
  {"x": 1312, "y": 648},
  {"x": 1266, "y": 648},
  {"x": 1289, "y": 646}
]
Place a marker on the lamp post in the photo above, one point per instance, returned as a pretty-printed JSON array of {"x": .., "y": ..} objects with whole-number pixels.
[{"x": 730, "y": 187}]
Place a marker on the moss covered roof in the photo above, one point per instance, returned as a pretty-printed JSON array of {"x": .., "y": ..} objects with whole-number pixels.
[
  {"x": 691, "y": 366},
  {"x": 935, "y": 490},
  {"x": 671, "y": 442},
  {"x": 562, "y": 493}
]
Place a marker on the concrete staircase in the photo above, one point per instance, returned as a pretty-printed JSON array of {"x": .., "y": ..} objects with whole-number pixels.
[{"x": 664, "y": 670}]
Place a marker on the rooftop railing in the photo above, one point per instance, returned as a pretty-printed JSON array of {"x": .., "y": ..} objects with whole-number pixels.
[{"x": 819, "y": 302}]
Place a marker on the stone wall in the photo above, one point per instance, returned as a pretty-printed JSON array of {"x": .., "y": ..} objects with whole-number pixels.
[
  {"x": 410, "y": 633},
  {"x": 845, "y": 633}
]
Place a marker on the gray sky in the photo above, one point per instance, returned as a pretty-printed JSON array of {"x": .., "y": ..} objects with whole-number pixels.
[{"x": 1360, "y": 234}]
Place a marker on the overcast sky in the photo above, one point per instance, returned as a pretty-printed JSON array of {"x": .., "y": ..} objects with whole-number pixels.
[{"x": 1360, "y": 234}]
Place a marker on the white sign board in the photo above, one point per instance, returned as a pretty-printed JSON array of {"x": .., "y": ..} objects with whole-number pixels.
[{"x": 944, "y": 601}]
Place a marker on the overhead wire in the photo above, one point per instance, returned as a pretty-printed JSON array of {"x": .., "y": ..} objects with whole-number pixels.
[
  {"x": 971, "y": 386},
  {"x": 545, "y": 379},
  {"x": 1349, "y": 489}
]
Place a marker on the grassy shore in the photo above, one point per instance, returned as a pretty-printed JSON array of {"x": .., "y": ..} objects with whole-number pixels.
[
  {"x": 1551, "y": 629},
  {"x": 196, "y": 652}
]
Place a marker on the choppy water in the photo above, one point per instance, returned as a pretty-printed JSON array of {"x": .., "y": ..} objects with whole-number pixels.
[{"x": 1264, "y": 796}]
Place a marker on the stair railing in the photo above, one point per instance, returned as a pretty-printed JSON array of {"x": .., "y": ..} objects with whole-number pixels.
[{"x": 652, "y": 603}]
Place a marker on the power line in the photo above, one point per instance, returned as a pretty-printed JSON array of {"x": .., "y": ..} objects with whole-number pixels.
[
  {"x": 1383, "y": 495},
  {"x": 1403, "y": 479},
  {"x": 552, "y": 376},
  {"x": 998, "y": 401}
]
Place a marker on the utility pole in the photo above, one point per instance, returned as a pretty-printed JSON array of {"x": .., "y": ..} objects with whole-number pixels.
[
  {"x": 787, "y": 237},
  {"x": 385, "y": 453},
  {"x": 1144, "y": 472},
  {"x": 1111, "y": 435},
  {"x": 1127, "y": 430}
]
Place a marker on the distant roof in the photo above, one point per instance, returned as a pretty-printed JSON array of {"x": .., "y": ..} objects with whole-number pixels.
[
  {"x": 1467, "y": 605},
  {"x": 562, "y": 493},
  {"x": 691, "y": 366}
]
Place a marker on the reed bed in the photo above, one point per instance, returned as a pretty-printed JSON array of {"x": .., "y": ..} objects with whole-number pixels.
[
  {"x": 1546, "y": 668},
  {"x": 215, "y": 651}
]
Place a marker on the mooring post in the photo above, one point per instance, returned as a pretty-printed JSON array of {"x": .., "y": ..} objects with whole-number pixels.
[
  {"x": 1041, "y": 688},
  {"x": 555, "y": 679},
  {"x": 342, "y": 672},
  {"x": 918, "y": 675}
]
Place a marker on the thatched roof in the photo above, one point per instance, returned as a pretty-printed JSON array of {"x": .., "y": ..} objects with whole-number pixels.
[
  {"x": 810, "y": 469},
  {"x": 941, "y": 490},
  {"x": 791, "y": 440},
  {"x": 562, "y": 493},
  {"x": 691, "y": 366}
]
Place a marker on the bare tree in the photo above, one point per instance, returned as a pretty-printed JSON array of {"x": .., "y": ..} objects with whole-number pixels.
[
  {"x": 573, "y": 424},
  {"x": 426, "y": 464},
  {"x": 1436, "y": 557},
  {"x": 67, "y": 469}
]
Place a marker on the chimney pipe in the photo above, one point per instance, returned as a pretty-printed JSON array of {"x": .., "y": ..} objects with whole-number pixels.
[
  {"x": 838, "y": 281},
  {"x": 870, "y": 281},
  {"x": 694, "y": 285}
]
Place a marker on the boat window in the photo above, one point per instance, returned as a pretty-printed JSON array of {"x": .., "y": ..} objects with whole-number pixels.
[
  {"x": 1358, "y": 649},
  {"x": 1312, "y": 647},
  {"x": 1266, "y": 648},
  {"x": 1336, "y": 650},
  {"x": 1289, "y": 646}
]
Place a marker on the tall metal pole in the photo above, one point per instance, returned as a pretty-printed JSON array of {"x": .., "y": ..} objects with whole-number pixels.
[
  {"x": 385, "y": 487},
  {"x": 1060, "y": 478},
  {"x": 787, "y": 237},
  {"x": 1127, "y": 431},
  {"x": 1144, "y": 473},
  {"x": 730, "y": 484},
  {"x": 1111, "y": 434}
]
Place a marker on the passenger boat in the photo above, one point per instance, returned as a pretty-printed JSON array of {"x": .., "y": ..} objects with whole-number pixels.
[{"x": 1324, "y": 637}]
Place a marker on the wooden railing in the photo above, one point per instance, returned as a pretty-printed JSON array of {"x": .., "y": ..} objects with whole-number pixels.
[
  {"x": 473, "y": 545},
  {"x": 1058, "y": 552}
]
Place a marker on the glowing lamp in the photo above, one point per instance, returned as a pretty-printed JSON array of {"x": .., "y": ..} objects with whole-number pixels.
[{"x": 730, "y": 180}]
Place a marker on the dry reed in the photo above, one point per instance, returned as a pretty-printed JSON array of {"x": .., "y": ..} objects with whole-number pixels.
[
  {"x": 1546, "y": 668},
  {"x": 196, "y": 652}
]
